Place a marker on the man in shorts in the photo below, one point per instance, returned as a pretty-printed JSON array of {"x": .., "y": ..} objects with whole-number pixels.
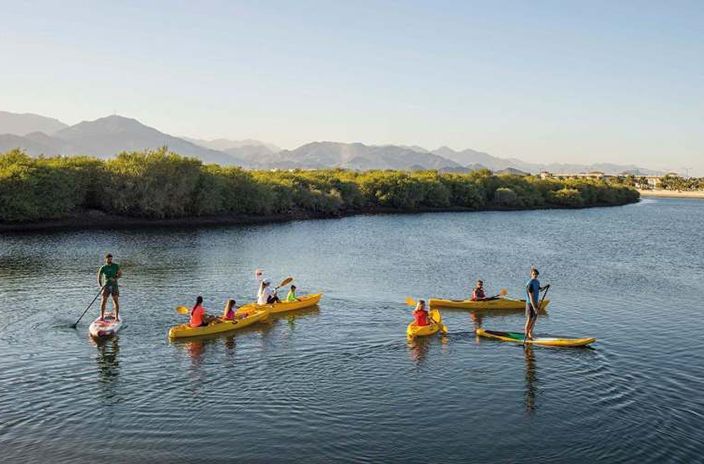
[
  {"x": 533, "y": 290},
  {"x": 107, "y": 279}
]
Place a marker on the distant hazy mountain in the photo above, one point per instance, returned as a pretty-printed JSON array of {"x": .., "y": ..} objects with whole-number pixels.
[
  {"x": 26, "y": 123},
  {"x": 227, "y": 144},
  {"x": 253, "y": 152},
  {"x": 36, "y": 143},
  {"x": 511, "y": 172},
  {"x": 357, "y": 156},
  {"x": 467, "y": 157},
  {"x": 106, "y": 137}
]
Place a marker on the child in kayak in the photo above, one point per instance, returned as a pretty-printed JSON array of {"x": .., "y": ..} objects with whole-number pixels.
[
  {"x": 292, "y": 294},
  {"x": 199, "y": 317},
  {"x": 266, "y": 295},
  {"x": 420, "y": 314},
  {"x": 228, "y": 313}
]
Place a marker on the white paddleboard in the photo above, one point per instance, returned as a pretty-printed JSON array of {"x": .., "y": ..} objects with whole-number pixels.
[{"x": 105, "y": 328}]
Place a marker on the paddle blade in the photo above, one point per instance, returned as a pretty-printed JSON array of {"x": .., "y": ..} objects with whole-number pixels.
[
  {"x": 435, "y": 315},
  {"x": 503, "y": 292},
  {"x": 410, "y": 301},
  {"x": 183, "y": 310},
  {"x": 285, "y": 282},
  {"x": 443, "y": 328}
]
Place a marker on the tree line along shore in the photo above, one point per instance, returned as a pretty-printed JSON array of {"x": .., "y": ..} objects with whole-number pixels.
[{"x": 159, "y": 185}]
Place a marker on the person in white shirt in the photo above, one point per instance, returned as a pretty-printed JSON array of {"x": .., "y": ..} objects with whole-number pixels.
[{"x": 266, "y": 294}]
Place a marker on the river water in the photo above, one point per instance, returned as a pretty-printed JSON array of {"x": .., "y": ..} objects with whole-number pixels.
[{"x": 340, "y": 382}]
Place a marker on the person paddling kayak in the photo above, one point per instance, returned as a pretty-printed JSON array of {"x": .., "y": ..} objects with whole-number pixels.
[
  {"x": 478, "y": 292},
  {"x": 533, "y": 290},
  {"x": 107, "y": 280},
  {"x": 266, "y": 294},
  {"x": 199, "y": 317},
  {"x": 291, "y": 296},
  {"x": 420, "y": 314}
]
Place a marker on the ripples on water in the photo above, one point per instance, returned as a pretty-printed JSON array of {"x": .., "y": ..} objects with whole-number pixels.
[{"x": 341, "y": 382}]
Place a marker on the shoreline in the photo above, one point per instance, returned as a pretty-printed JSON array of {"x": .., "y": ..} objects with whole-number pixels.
[
  {"x": 671, "y": 194},
  {"x": 95, "y": 220}
]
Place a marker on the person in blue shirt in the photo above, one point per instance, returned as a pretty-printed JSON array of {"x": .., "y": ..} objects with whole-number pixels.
[{"x": 533, "y": 290}]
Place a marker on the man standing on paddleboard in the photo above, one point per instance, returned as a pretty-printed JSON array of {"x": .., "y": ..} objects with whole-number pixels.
[
  {"x": 533, "y": 290},
  {"x": 107, "y": 279}
]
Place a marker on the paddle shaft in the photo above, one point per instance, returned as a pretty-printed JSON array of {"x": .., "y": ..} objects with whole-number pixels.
[
  {"x": 88, "y": 307},
  {"x": 540, "y": 304}
]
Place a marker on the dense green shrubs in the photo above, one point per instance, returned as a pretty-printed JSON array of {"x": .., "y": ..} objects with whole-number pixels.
[{"x": 159, "y": 184}]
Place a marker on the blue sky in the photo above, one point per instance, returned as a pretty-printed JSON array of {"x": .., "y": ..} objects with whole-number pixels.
[{"x": 561, "y": 81}]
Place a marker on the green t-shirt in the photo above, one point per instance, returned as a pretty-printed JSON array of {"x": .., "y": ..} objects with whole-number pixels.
[
  {"x": 109, "y": 271},
  {"x": 291, "y": 296}
]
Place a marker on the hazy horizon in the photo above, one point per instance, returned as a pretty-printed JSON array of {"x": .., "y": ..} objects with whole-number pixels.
[{"x": 545, "y": 82}]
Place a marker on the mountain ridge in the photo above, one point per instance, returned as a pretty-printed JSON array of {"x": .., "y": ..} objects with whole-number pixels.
[
  {"x": 26, "y": 123},
  {"x": 106, "y": 137}
]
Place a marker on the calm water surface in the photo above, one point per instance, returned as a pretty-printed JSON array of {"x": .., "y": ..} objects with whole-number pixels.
[{"x": 340, "y": 382}]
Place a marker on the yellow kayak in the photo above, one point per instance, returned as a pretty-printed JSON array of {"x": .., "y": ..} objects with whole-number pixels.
[
  {"x": 435, "y": 325},
  {"x": 517, "y": 337},
  {"x": 219, "y": 325},
  {"x": 498, "y": 303},
  {"x": 305, "y": 301}
]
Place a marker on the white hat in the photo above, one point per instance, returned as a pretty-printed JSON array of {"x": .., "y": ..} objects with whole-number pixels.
[{"x": 267, "y": 281}]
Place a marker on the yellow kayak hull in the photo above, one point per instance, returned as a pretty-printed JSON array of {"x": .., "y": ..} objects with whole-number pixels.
[
  {"x": 219, "y": 325},
  {"x": 517, "y": 337},
  {"x": 421, "y": 331},
  {"x": 305, "y": 301},
  {"x": 499, "y": 303}
]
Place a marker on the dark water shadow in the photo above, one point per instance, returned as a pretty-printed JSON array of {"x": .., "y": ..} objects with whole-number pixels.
[
  {"x": 531, "y": 376},
  {"x": 108, "y": 362}
]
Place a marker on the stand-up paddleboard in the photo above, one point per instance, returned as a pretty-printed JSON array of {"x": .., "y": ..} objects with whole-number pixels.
[
  {"x": 105, "y": 328},
  {"x": 518, "y": 337}
]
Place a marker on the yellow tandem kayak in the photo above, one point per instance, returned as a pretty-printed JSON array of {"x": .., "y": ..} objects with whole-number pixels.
[
  {"x": 517, "y": 337},
  {"x": 304, "y": 301},
  {"x": 219, "y": 325},
  {"x": 498, "y": 303}
]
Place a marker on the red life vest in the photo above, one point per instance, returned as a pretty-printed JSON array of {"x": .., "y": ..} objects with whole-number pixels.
[
  {"x": 421, "y": 317},
  {"x": 197, "y": 314}
]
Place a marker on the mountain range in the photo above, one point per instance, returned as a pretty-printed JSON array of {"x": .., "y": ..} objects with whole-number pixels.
[{"x": 108, "y": 136}]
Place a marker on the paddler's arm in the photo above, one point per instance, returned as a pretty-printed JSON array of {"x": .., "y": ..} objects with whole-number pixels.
[
  {"x": 100, "y": 272},
  {"x": 119, "y": 273}
]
